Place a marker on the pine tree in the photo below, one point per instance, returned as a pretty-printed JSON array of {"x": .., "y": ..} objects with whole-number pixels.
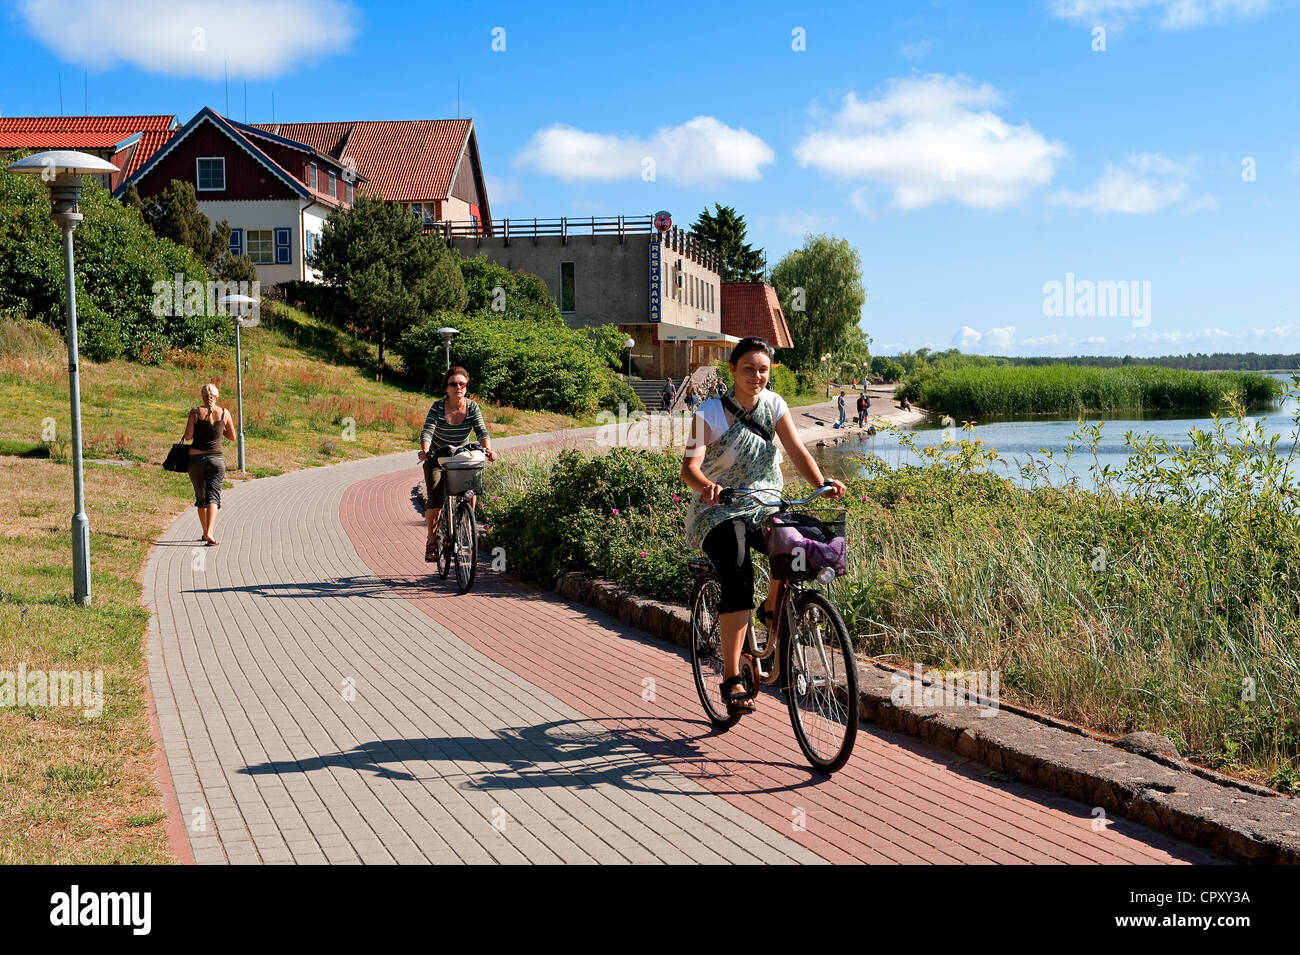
[{"x": 724, "y": 234}]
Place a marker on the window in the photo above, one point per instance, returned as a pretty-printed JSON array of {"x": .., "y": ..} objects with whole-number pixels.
[
  {"x": 236, "y": 241},
  {"x": 261, "y": 246},
  {"x": 415, "y": 210},
  {"x": 211, "y": 173},
  {"x": 311, "y": 176},
  {"x": 348, "y": 188},
  {"x": 309, "y": 238},
  {"x": 334, "y": 184},
  {"x": 282, "y": 246},
  {"x": 567, "y": 292}
]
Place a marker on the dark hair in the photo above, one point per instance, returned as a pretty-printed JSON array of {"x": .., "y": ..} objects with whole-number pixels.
[
  {"x": 747, "y": 345},
  {"x": 456, "y": 370}
]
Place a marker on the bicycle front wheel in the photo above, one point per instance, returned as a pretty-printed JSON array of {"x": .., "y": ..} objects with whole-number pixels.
[
  {"x": 465, "y": 546},
  {"x": 706, "y": 649},
  {"x": 443, "y": 548},
  {"x": 821, "y": 671}
]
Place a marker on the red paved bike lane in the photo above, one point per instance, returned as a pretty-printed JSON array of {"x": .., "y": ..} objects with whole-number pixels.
[{"x": 896, "y": 801}]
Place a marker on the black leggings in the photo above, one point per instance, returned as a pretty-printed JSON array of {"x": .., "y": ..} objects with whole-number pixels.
[{"x": 728, "y": 547}]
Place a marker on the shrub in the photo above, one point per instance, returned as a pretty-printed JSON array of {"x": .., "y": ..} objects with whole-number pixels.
[
  {"x": 597, "y": 515},
  {"x": 118, "y": 260}
]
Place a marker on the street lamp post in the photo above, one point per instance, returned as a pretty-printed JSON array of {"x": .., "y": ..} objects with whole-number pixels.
[
  {"x": 446, "y": 334},
  {"x": 629, "y": 344},
  {"x": 239, "y": 364},
  {"x": 62, "y": 170}
]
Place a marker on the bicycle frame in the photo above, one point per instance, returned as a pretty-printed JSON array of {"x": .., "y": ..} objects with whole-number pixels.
[{"x": 783, "y": 613}]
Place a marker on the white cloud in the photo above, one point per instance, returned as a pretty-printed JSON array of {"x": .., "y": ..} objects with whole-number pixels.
[
  {"x": 916, "y": 51},
  {"x": 698, "y": 151},
  {"x": 254, "y": 38},
  {"x": 1002, "y": 338},
  {"x": 1170, "y": 14},
  {"x": 931, "y": 139},
  {"x": 1141, "y": 185}
]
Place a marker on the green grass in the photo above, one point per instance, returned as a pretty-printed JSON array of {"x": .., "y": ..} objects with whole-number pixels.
[{"x": 975, "y": 389}]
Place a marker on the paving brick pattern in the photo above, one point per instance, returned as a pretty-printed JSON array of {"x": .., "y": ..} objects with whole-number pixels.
[
  {"x": 440, "y": 755},
  {"x": 322, "y": 697}
]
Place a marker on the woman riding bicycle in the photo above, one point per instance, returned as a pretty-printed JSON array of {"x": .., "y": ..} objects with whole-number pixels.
[
  {"x": 729, "y": 451},
  {"x": 448, "y": 424}
]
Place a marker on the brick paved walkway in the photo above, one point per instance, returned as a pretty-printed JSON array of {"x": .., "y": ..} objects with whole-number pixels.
[{"x": 322, "y": 698}]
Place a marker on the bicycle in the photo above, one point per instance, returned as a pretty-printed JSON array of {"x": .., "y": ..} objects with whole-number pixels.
[
  {"x": 456, "y": 543},
  {"x": 815, "y": 669}
]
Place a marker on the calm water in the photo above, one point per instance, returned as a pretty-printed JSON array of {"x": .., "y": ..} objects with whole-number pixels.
[{"x": 1018, "y": 441}]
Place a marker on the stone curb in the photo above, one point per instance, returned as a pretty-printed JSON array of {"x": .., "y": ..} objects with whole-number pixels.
[{"x": 1141, "y": 781}]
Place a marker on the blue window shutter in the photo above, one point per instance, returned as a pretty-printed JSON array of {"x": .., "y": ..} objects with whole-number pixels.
[
  {"x": 309, "y": 245},
  {"x": 282, "y": 247},
  {"x": 236, "y": 241}
]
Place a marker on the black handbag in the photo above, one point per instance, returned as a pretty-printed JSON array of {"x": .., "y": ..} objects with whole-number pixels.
[{"x": 178, "y": 458}]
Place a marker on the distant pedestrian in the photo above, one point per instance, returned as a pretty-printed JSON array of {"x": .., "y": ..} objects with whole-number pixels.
[
  {"x": 839, "y": 402},
  {"x": 864, "y": 405},
  {"x": 205, "y": 427},
  {"x": 668, "y": 394}
]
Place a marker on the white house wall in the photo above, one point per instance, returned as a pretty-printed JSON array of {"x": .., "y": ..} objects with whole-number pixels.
[{"x": 258, "y": 214}]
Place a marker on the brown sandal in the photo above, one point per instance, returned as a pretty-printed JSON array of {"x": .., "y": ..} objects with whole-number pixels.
[{"x": 431, "y": 550}]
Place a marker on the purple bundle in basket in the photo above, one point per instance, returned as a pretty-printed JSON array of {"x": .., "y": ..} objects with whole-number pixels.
[{"x": 786, "y": 539}]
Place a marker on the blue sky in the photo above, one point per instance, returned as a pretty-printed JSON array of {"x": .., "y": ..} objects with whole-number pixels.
[{"x": 971, "y": 152}]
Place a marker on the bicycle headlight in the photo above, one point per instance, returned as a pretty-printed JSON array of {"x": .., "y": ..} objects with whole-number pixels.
[{"x": 825, "y": 576}]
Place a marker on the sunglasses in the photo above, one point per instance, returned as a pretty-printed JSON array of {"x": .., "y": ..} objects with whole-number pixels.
[{"x": 458, "y": 384}]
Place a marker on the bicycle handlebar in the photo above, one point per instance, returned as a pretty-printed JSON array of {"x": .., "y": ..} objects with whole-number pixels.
[{"x": 729, "y": 493}]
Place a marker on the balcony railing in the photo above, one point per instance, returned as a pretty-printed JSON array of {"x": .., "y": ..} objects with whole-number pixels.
[{"x": 679, "y": 240}]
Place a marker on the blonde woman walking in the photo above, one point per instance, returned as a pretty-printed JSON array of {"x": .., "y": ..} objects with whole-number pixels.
[{"x": 206, "y": 426}]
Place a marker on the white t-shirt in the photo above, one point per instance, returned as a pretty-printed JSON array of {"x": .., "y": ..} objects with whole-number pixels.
[{"x": 711, "y": 419}]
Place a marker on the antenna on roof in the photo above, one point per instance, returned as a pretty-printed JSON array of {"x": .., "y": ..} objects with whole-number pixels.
[
  {"x": 85, "y": 78},
  {"x": 245, "y": 100},
  {"x": 458, "y": 97},
  {"x": 272, "y": 107},
  {"x": 225, "y": 65}
]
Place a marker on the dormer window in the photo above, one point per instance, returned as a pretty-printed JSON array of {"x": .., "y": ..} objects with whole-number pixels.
[
  {"x": 311, "y": 176},
  {"x": 334, "y": 183},
  {"x": 210, "y": 175}
]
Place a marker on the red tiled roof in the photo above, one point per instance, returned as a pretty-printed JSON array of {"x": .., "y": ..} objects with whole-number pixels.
[
  {"x": 752, "y": 308},
  {"x": 43, "y": 140},
  {"x": 327, "y": 138},
  {"x": 405, "y": 160},
  {"x": 89, "y": 132},
  {"x": 150, "y": 143},
  {"x": 85, "y": 124}
]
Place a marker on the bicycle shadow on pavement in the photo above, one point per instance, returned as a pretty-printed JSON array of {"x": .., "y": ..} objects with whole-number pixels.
[{"x": 574, "y": 754}]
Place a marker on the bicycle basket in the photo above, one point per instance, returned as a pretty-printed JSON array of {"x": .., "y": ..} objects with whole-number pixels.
[
  {"x": 462, "y": 476},
  {"x": 799, "y": 545}
]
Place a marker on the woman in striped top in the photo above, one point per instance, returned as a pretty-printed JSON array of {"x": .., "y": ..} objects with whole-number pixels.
[{"x": 449, "y": 422}]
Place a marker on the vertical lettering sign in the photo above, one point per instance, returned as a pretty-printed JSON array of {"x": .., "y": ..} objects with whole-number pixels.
[{"x": 656, "y": 278}]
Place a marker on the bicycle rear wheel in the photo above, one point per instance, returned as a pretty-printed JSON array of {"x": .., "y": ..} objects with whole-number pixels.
[
  {"x": 821, "y": 674},
  {"x": 465, "y": 546},
  {"x": 706, "y": 649}
]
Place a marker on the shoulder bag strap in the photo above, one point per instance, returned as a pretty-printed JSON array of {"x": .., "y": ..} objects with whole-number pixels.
[{"x": 745, "y": 418}]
